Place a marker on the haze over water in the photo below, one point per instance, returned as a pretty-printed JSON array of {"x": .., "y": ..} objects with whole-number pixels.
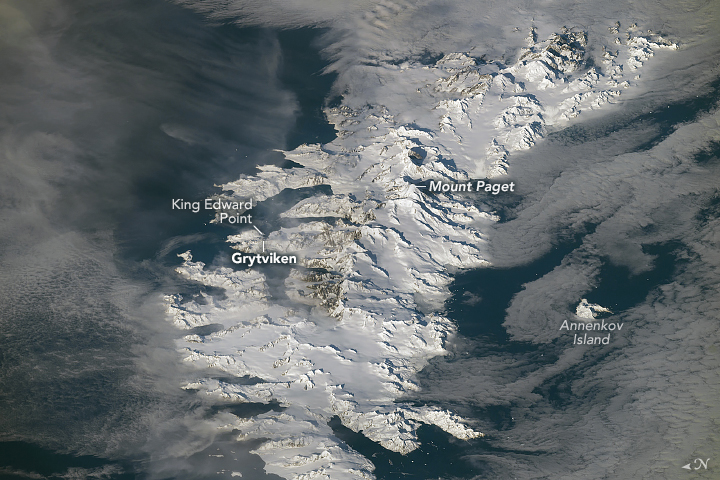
[{"x": 112, "y": 109}]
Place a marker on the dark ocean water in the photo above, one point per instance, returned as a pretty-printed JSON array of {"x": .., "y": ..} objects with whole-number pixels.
[
  {"x": 228, "y": 96},
  {"x": 481, "y": 323},
  {"x": 23, "y": 457},
  {"x": 441, "y": 455},
  {"x": 176, "y": 72}
]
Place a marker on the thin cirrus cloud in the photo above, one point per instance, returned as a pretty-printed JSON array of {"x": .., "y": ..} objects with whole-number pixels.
[
  {"x": 644, "y": 404},
  {"x": 86, "y": 165},
  {"x": 602, "y": 181},
  {"x": 653, "y": 387}
]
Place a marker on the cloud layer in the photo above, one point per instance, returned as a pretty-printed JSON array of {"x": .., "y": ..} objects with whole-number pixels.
[{"x": 92, "y": 99}]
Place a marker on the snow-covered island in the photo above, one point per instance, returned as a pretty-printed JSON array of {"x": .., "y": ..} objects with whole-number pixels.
[
  {"x": 589, "y": 310},
  {"x": 359, "y": 314}
]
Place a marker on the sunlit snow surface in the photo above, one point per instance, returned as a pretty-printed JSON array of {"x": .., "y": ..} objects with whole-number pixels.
[{"x": 354, "y": 325}]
